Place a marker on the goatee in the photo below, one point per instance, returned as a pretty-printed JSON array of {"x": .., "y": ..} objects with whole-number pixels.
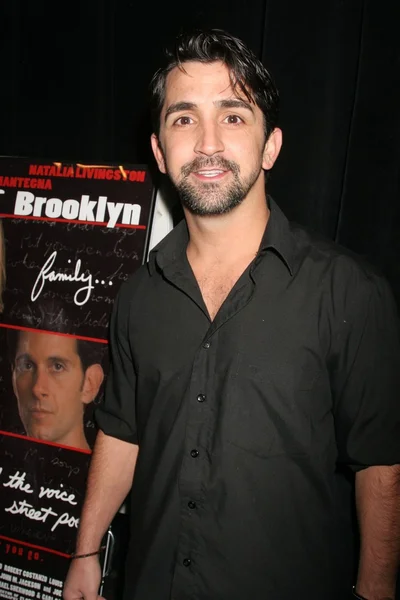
[{"x": 207, "y": 198}]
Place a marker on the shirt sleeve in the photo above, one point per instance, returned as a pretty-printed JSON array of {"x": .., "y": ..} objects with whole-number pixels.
[
  {"x": 116, "y": 416},
  {"x": 365, "y": 376}
]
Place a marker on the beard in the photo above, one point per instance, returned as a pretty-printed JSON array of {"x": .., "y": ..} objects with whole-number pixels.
[{"x": 207, "y": 198}]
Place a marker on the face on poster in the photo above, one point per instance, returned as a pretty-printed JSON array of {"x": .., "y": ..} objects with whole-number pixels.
[
  {"x": 54, "y": 379},
  {"x": 50, "y": 380}
]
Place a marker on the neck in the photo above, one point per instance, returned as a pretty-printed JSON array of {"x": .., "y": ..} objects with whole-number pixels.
[
  {"x": 75, "y": 439},
  {"x": 227, "y": 238}
]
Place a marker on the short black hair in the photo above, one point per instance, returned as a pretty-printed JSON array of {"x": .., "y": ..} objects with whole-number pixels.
[
  {"x": 247, "y": 72},
  {"x": 52, "y": 316}
]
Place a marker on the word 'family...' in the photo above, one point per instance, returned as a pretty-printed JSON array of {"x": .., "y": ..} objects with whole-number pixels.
[{"x": 47, "y": 273}]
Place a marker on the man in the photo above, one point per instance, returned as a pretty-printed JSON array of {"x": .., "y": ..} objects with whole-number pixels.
[
  {"x": 54, "y": 378},
  {"x": 254, "y": 369}
]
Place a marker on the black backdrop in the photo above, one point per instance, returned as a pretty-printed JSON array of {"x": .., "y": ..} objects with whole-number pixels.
[{"x": 74, "y": 80}]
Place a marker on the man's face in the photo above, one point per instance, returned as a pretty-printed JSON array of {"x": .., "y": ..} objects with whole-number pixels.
[
  {"x": 212, "y": 141},
  {"x": 49, "y": 384}
]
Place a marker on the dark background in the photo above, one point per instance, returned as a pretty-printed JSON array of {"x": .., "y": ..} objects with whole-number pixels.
[{"x": 74, "y": 83}]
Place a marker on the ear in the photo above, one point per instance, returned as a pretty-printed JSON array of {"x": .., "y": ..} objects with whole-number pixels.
[
  {"x": 272, "y": 148},
  {"x": 158, "y": 153},
  {"x": 91, "y": 384}
]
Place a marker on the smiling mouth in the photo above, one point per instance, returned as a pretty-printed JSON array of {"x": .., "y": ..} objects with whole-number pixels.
[{"x": 210, "y": 173}]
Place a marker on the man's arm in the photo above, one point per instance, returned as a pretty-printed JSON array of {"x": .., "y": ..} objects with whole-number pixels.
[
  {"x": 109, "y": 481},
  {"x": 378, "y": 510}
]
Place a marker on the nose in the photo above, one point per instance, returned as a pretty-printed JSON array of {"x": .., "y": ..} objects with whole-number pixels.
[
  {"x": 209, "y": 141},
  {"x": 40, "y": 383}
]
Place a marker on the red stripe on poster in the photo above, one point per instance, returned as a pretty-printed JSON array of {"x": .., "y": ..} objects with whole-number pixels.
[
  {"x": 49, "y": 219},
  {"x": 31, "y": 439},
  {"x": 7, "y": 539},
  {"x": 85, "y": 338}
]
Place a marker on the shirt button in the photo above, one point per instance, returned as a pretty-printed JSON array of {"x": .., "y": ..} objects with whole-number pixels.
[
  {"x": 191, "y": 504},
  {"x": 194, "y": 453},
  {"x": 201, "y": 398},
  {"x": 206, "y": 345},
  {"x": 186, "y": 562}
]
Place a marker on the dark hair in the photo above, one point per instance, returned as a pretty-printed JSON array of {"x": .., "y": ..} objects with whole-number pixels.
[
  {"x": 247, "y": 73},
  {"x": 49, "y": 315}
]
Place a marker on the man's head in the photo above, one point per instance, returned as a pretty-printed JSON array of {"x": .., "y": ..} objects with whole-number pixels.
[
  {"x": 54, "y": 377},
  {"x": 248, "y": 75},
  {"x": 214, "y": 110}
]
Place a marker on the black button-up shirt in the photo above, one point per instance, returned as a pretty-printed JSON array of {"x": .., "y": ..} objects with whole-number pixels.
[{"x": 245, "y": 423}]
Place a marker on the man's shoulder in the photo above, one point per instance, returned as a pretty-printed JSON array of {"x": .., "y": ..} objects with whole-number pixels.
[
  {"x": 331, "y": 257},
  {"x": 350, "y": 283}
]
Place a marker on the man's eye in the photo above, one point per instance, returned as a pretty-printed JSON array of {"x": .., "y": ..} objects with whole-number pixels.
[
  {"x": 233, "y": 119},
  {"x": 183, "y": 121},
  {"x": 24, "y": 365},
  {"x": 58, "y": 366}
]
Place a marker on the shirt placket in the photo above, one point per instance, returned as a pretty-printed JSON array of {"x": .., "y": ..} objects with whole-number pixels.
[
  {"x": 193, "y": 475},
  {"x": 190, "y": 552}
]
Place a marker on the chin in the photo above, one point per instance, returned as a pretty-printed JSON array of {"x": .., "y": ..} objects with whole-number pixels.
[{"x": 41, "y": 435}]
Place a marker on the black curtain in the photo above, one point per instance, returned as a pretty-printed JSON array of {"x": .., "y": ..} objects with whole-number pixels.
[
  {"x": 337, "y": 65},
  {"x": 74, "y": 85}
]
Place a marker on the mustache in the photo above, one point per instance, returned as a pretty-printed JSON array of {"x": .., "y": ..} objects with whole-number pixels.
[{"x": 200, "y": 163}]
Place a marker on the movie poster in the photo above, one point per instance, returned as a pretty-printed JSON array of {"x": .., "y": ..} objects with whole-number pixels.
[{"x": 70, "y": 235}]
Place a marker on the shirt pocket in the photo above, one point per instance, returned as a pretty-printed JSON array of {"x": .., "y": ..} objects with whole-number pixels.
[{"x": 268, "y": 409}]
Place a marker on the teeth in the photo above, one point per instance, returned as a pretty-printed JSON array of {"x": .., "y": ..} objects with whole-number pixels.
[{"x": 210, "y": 173}]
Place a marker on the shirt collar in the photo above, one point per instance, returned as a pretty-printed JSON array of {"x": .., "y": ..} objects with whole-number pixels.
[
  {"x": 277, "y": 237},
  {"x": 170, "y": 248}
]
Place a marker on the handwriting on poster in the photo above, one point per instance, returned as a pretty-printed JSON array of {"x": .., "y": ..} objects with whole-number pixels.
[
  {"x": 77, "y": 268},
  {"x": 47, "y": 273},
  {"x": 43, "y": 513}
]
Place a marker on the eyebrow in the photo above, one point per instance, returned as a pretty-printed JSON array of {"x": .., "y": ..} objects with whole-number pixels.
[
  {"x": 178, "y": 107},
  {"x": 62, "y": 359},
  {"x": 228, "y": 103},
  {"x": 235, "y": 103},
  {"x": 27, "y": 356},
  {"x": 23, "y": 356}
]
